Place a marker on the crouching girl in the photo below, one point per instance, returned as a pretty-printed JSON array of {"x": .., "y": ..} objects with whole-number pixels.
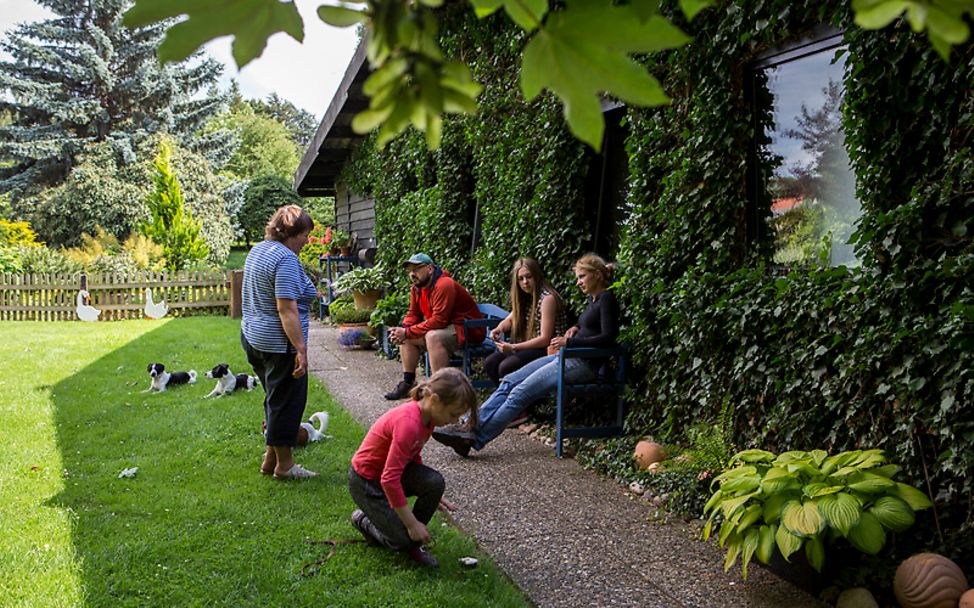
[{"x": 387, "y": 467}]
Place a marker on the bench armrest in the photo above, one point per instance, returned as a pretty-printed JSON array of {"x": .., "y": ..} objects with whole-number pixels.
[{"x": 590, "y": 352}]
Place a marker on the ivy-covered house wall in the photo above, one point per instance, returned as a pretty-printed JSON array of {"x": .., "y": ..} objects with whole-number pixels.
[{"x": 881, "y": 356}]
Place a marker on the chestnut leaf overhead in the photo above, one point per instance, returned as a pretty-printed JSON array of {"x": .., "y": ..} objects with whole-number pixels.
[
  {"x": 581, "y": 51},
  {"x": 250, "y": 22}
]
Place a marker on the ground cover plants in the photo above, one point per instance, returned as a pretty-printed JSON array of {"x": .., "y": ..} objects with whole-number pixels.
[{"x": 197, "y": 525}]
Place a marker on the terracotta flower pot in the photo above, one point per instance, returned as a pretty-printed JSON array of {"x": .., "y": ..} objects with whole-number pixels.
[
  {"x": 356, "y": 335},
  {"x": 928, "y": 580},
  {"x": 366, "y": 299},
  {"x": 647, "y": 453}
]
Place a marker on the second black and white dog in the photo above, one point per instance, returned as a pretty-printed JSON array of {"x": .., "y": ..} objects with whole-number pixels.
[
  {"x": 161, "y": 379},
  {"x": 226, "y": 382}
]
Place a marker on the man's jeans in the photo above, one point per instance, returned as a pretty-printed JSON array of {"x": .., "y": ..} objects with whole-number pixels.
[{"x": 522, "y": 388}]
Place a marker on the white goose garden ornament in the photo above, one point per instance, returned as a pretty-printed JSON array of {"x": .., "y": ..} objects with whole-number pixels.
[
  {"x": 153, "y": 310},
  {"x": 86, "y": 312}
]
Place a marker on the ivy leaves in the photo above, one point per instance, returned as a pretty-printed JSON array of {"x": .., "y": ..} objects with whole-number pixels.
[
  {"x": 943, "y": 19},
  {"x": 250, "y": 22}
]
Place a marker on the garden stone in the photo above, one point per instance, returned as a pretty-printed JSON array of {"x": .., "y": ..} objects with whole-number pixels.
[{"x": 858, "y": 597}]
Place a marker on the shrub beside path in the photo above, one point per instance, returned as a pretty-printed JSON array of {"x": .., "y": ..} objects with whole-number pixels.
[{"x": 564, "y": 535}]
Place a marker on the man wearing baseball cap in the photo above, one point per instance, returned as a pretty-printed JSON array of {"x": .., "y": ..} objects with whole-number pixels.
[{"x": 438, "y": 306}]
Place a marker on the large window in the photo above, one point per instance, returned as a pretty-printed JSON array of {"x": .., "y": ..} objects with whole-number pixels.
[
  {"x": 801, "y": 160},
  {"x": 606, "y": 208}
]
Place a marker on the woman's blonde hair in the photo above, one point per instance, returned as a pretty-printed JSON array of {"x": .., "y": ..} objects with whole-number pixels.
[
  {"x": 523, "y": 304},
  {"x": 288, "y": 221},
  {"x": 594, "y": 263},
  {"x": 452, "y": 387}
]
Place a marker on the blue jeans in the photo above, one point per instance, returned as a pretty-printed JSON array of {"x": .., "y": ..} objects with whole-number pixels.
[{"x": 520, "y": 389}]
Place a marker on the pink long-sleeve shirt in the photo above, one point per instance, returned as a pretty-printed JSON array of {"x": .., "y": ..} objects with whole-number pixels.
[{"x": 394, "y": 441}]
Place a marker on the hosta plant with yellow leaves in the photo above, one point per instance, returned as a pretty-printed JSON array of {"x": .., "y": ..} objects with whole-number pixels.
[{"x": 796, "y": 500}]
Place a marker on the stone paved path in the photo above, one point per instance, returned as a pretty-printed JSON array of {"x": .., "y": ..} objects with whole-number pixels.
[{"x": 567, "y": 537}]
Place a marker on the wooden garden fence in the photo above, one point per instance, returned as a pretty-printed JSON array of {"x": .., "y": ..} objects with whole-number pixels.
[{"x": 53, "y": 297}]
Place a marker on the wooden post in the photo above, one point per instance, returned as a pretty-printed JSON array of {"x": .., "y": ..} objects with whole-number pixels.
[{"x": 236, "y": 288}]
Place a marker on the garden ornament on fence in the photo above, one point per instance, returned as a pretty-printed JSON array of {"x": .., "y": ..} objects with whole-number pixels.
[
  {"x": 84, "y": 310},
  {"x": 153, "y": 310}
]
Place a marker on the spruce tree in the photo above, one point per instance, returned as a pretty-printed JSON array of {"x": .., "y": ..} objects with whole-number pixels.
[{"x": 82, "y": 78}]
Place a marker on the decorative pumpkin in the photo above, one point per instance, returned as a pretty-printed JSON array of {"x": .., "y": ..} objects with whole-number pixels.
[
  {"x": 967, "y": 600},
  {"x": 648, "y": 452},
  {"x": 928, "y": 580}
]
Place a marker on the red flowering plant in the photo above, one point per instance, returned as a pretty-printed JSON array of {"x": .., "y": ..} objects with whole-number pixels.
[{"x": 317, "y": 246}]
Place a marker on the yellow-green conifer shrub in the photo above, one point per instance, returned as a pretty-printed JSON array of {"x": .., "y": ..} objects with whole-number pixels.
[{"x": 17, "y": 233}]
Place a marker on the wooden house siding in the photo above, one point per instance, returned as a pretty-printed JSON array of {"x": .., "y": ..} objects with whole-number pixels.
[{"x": 356, "y": 214}]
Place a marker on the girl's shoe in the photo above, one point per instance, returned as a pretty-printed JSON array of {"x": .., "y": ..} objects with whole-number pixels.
[
  {"x": 423, "y": 557},
  {"x": 361, "y": 522},
  {"x": 461, "y": 442}
]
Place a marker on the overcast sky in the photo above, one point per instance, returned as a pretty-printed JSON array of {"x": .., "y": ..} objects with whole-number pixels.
[{"x": 307, "y": 74}]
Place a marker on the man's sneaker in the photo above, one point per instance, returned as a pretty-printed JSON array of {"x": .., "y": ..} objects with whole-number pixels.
[
  {"x": 460, "y": 442},
  {"x": 361, "y": 522},
  {"x": 423, "y": 557},
  {"x": 401, "y": 391}
]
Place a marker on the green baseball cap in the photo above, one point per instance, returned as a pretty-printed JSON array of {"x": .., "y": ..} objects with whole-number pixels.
[{"x": 418, "y": 258}]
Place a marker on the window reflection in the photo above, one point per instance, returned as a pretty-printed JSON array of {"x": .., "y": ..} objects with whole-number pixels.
[{"x": 810, "y": 183}]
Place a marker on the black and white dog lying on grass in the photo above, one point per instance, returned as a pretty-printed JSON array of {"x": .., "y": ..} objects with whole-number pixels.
[
  {"x": 161, "y": 379},
  {"x": 226, "y": 382}
]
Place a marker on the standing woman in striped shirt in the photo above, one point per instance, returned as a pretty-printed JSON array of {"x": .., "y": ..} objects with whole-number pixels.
[{"x": 277, "y": 297}]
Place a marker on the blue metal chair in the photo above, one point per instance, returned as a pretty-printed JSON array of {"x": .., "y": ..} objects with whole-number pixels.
[
  {"x": 611, "y": 381},
  {"x": 465, "y": 357},
  {"x": 333, "y": 267}
]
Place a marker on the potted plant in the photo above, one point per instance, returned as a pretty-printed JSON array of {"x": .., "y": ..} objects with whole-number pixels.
[
  {"x": 389, "y": 312},
  {"x": 338, "y": 241},
  {"x": 353, "y": 323},
  {"x": 365, "y": 285},
  {"x": 808, "y": 499},
  {"x": 355, "y": 337}
]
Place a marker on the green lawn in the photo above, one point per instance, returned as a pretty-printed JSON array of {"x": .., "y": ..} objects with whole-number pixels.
[
  {"x": 236, "y": 258},
  {"x": 198, "y": 525}
]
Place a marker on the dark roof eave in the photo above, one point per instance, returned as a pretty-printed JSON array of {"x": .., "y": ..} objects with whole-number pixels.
[{"x": 334, "y": 140}]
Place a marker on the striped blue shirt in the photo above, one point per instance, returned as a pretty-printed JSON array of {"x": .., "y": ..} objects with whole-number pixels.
[{"x": 272, "y": 271}]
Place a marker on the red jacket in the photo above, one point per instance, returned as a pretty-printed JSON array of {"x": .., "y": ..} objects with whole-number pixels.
[{"x": 439, "y": 304}]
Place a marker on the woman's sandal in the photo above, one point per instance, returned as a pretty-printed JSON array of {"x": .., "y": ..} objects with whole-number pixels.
[{"x": 296, "y": 472}]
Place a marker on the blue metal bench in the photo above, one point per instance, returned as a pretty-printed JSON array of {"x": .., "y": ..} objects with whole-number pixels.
[
  {"x": 465, "y": 357},
  {"x": 611, "y": 381}
]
